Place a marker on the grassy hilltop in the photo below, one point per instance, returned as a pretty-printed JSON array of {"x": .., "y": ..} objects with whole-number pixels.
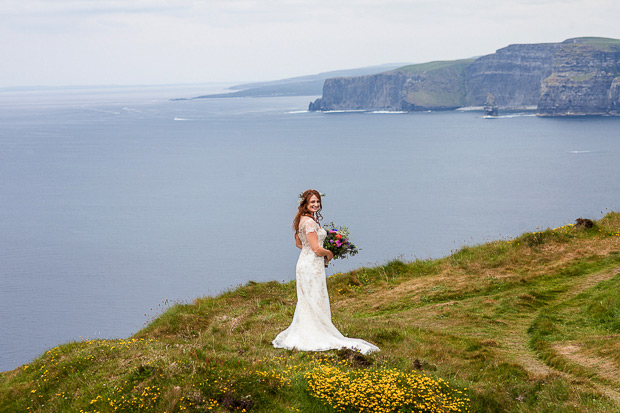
[{"x": 521, "y": 325}]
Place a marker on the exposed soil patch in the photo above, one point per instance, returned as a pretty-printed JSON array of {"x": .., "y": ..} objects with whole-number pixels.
[{"x": 601, "y": 366}]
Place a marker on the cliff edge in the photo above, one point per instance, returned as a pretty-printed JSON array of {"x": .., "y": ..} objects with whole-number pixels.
[
  {"x": 434, "y": 85},
  {"x": 512, "y": 325},
  {"x": 579, "y": 76}
]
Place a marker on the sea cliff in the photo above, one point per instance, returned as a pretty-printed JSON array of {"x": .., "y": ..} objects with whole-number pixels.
[
  {"x": 576, "y": 77},
  {"x": 512, "y": 74},
  {"x": 584, "y": 80},
  {"x": 437, "y": 85}
]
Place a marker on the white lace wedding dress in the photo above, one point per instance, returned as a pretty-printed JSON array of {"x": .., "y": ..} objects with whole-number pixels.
[{"x": 312, "y": 328}]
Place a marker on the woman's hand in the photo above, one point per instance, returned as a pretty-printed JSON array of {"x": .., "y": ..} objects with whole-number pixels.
[{"x": 328, "y": 257}]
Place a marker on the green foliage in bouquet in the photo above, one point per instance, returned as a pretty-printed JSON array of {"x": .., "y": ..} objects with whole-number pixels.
[{"x": 337, "y": 241}]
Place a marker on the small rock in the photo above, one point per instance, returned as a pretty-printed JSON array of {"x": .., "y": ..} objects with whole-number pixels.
[{"x": 582, "y": 223}]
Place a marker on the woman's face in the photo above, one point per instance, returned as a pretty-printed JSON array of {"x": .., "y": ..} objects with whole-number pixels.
[{"x": 314, "y": 204}]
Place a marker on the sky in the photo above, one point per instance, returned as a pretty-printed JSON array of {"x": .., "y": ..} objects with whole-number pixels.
[{"x": 141, "y": 42}]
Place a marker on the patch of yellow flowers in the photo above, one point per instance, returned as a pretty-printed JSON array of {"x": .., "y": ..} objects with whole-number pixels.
[
  {"x": 279, "y": 379},
  {"x": 384, "y": 390}
]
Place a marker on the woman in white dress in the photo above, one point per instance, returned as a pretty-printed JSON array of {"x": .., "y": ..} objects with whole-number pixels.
[{"x": 312, "y": 328}]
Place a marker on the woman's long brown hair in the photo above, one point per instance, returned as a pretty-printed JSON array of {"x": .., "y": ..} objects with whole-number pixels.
[{"x": 303, "y": 208}]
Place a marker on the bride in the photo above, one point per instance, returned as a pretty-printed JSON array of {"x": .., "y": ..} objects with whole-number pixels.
[{"x": 312, "y": 328}]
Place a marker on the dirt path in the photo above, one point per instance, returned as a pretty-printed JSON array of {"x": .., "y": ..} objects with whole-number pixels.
[{"x": 515, "y": 343}]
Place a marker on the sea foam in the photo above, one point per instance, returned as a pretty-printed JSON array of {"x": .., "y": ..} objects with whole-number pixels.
[
  {"x": 344, "y": 111},
  {"x": 514, "y": 115},
  {"x": 388, "y": 111}
]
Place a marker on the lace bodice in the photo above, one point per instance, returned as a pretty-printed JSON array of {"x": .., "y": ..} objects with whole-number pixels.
[{"x": 307, "y": 225}]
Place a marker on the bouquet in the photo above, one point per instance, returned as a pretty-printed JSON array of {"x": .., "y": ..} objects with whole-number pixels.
[{"x": 337, "y": 241}]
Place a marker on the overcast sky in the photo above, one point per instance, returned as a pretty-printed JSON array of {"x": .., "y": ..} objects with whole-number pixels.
[{"x": 102, "y": 42}]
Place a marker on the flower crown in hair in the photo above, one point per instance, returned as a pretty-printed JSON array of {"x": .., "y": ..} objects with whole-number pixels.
[{"x": 301, "y": 197}]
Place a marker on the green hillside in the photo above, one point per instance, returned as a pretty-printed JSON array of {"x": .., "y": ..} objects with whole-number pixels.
[
  {"x": 522, "y": 325},
  {"x": 436, "y": 65},
  {"x": 599, "y": 41},
  {"x": 441, "y": 84}
]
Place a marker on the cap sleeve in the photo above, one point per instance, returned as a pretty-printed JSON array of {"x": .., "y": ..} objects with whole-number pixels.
[{"x": 308, "y": 225}]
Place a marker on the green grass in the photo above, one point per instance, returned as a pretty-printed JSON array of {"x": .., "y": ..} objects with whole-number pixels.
[
  {"x": 576, "y": 334},
  {"x": 441, "y": 84},
  {"x": 520, "y": 325},
  {"x": 436, "y": 65},
  {"x": 603, "y": 41},
  {"x": 588, "y": 45}
]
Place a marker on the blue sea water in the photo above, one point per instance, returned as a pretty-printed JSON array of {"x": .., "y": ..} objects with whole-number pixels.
[{"x": 113, "y": 201}]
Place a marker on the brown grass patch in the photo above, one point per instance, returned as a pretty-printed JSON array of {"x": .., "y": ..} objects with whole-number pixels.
[{"x": 577, "y": 354}]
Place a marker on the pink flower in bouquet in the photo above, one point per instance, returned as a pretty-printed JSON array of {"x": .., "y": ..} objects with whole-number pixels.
[{"x": 337, "y": 241}]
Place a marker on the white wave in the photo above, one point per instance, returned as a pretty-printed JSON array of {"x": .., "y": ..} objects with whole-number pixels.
[
  {"x": 101, "y": 110},
  {"x": 481, "y": 108},
  {"x": 470, "y": 108},
  {"x": 580, "y": 151},
  {"x": 344, "y": 111},
  {"x": 388, "y": 111},
  {"x": 179, "y": 118},
  {"x": 298, "y": 111},
  {"x": 132, "y": 110},
  {"x": 518, "y": 115},
  {"x": 515, "y": 115}
]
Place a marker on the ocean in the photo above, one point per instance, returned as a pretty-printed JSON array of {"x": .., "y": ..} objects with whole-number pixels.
[{"x": 117, "y": 202}]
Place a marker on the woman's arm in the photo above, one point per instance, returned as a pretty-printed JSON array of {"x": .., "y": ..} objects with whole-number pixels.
[
  {"x": 298, "y": 241},
  {"x": 313, "y": 240}
]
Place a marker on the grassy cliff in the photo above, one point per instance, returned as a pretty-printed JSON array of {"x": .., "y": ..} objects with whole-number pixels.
[
  {"x": 521, "y": 325},
  {"x": 442, "y": 84}
]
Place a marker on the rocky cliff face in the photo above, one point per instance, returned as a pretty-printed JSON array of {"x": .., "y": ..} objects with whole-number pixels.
[
  {"x": 382, "y": 91},
  {"x": 578, "y": 76},
  {"x": 614, "y": 97},
  {"x": 405, "y": 89},
  {"x": 513, "y": 75},
  {"x": 584, "y": 81}
]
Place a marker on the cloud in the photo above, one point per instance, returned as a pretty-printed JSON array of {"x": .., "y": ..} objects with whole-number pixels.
[
  {"x": 162, "y": 41},
  {"x": 88, "y": 6}
]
